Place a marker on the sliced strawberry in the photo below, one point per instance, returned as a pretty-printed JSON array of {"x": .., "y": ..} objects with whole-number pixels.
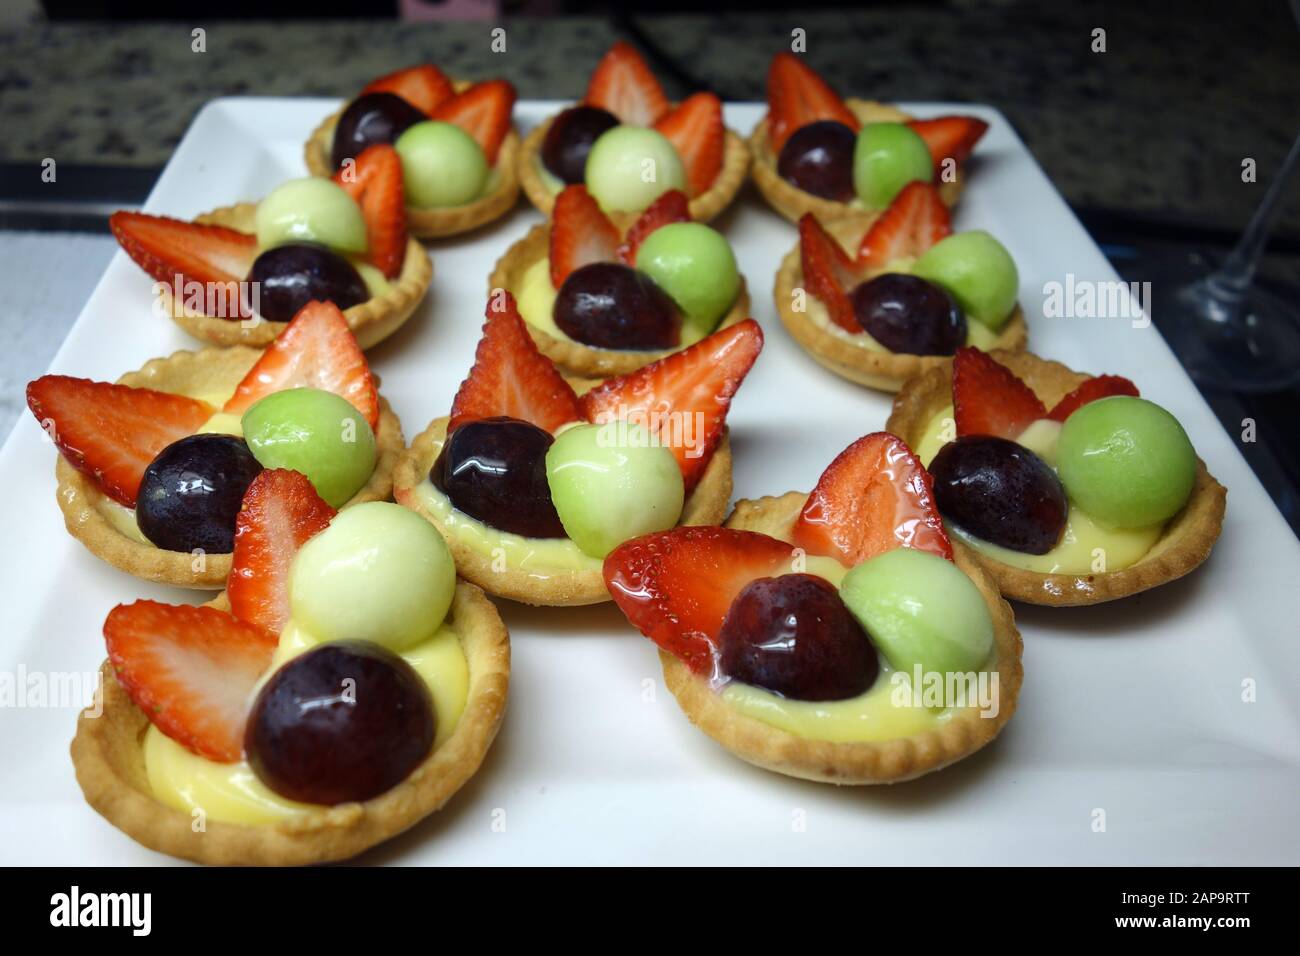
[
  {"x": 828, "y": 272},
  {"x": 376, "y": 184},
  {"x": 683, "y": 397},
  {"x": 874, "y": 497},
  {"x": 624, "y": 85},
  {"x": 315, "y": 350},
  {"x": 695, "y": 129},
  {"x": 168, "y": 249},
  {"x": 797, "y": 96},
  {"x": 950, "y": 137},
  {"x": 1103, "y": 386},
  {"x": 424, "y": 87},
  {"x": 111, "y": 433},
  {"x": 580, "y": 234},
  {"x": 483, "y": 111},
  {"x": 281, "y": 511},
  {"x": 914, "y": 221},
  {"x": 676, "y": 586},
  {"x": 988, "y": 399},
  {"x": 672, "y": 206},
  {"x": 192, "y": 670},
  {"x": 510, "y": 377}
]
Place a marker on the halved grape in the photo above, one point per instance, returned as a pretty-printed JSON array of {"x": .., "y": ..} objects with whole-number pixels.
[
  {"x": 906, "y": 314},
  {"x": 818, "y": 158},
  {"x": 570, "y": 138},
  {"x": 613, "y": 306}
]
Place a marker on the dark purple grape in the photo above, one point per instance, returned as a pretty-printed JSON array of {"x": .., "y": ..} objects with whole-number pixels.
[
  {"x": 494, "y": 469},
  {"x": 904, "y": 313},
  {"x": 818, "y": 158},
  {"x": 290, "y": 276},
  {"x": 569, "y": 140},
  {"x": 192, "y": 491},
  {"x": 369, "y": 119},
  {"x": 343, "y": 721},
  {"x": 1001, "y": 492},
  {"x": 793, "y": 635},
  {"x": 613, "y": 306}
]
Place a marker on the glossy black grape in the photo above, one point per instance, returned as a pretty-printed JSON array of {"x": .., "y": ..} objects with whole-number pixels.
[
  {"x": 905, "y": 313},
  {"x": 343, "y": 721},
  {"x": 818, "y": 158},
  {"x": 294, "y": 274},
  {"x": 1001, "y": 492},
  {"x": 612, "y": 306},
  {"x": 494, "y": 469},
  {"x": 193, "y": 490},
  {"x": 569, "y": 140},
  {"x": 793, "y": 635},
  {"x": 369, "y": 119}
]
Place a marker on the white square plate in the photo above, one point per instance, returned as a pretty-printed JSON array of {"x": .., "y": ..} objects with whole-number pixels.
[{"x": 1135, "y": 709}]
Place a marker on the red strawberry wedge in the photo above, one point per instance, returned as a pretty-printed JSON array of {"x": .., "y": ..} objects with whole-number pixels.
[
  {"x": 672, "y": 206},
  {"x": 686, "y": 394},
  {"x": 281, "y": 511},
  {"x": 950, "y": 137},
  {"x": 192, "y": 670},
  {"x": 914, "y": 221},
  {"x": 988, "y": 399},
  {"x": 580, "y": 234},
  {"x": 315, "y": 350},
  {"x": 111, "y": 433},
  {"x": 167, "y": 248},
  {"x": 695, "y": 129},
  {"x": 676, "y": 586},
  {"x": 624, "y": 85},
  {"x": 828, "y": 272},
  {"x": 797, "y": 96},
  {"x": 424, "y": 87},
  {"x": 874, "y": 497},
  {"x": 510, "y": 377},
  {"x": 376, "y": 184},
  {"x": 483, "y": 111},
  {"x": 1103, "y": 386}
]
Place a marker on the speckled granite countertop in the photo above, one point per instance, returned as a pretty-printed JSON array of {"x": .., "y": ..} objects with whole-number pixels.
[{"x": 1159, "y": 124}]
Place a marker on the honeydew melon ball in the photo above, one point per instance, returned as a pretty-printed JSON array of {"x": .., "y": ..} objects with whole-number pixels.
[
  {"x": 378, "y": 573},
  {"x": 886, "y": 157},
  {"x": 317, "y": 433},
  {"x": 979, "y": 273},
  {"x": 696, "y": 266},
  {"x": 311, "y": 210},
  {"x": 442, "y": 165},
  {"x": 920, "y": 609},
  {"x": 629, "y": 167},
  {"x": 1126, "y": 461},
  {"x": 611, "y": 483}
]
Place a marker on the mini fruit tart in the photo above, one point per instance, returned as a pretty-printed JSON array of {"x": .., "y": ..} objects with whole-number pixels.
[
  {"x": 153, "y": 468},
  {"x": 533, "y": 479},
  {"x": 623, "y": 301},
  {"x": 344, "y": 688},
  {"x": 455, "y": 140},
  {"x": 1066, "y": 488},
  {"x": 237, "y": 275},
  {"x": 628, "y": 145},
  {"x": 833, "y": 636},
  {"x": 815, "y": 153},
  {"x": 912, "y": 294}
]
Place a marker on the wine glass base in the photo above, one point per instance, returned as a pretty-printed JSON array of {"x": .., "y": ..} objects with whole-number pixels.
[{"x": 1255, "y": 347}]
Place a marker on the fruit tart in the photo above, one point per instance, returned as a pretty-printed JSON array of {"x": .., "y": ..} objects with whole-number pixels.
[
  {"x": 153, "y": 468},
  {"x": 816, "y": 153},
  {"x": 833, "y": 636},
  {"x": 599, "y": 302},
  {"x": 628, "y": 145},
  {"x": 907, "y": 294},
  {"x": 455, "y": 141},
  {"x": 345, "y": 687},
  {"x": 237, "y": 275},
  {"x": 533, "y": 478},
  {"x": 1066, "y": 488}
]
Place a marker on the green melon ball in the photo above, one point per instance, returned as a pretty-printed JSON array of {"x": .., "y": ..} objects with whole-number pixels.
[
  {"x": 611, "y": 483},
  {"x": 442, "y": 165},
  {"x": 695, "y": 265},
  {"x": 314, "y": 432},
  {"x": 978, "y": 271},
  {"x": 886, "y": 157},
  {"x": 629, "y": 167},
  {"x": 311, "y": 210},
  {"x": 378, "y": 573},
  {"x": 1126, "y": 461},
  {"x": 919, "y": 608}
]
